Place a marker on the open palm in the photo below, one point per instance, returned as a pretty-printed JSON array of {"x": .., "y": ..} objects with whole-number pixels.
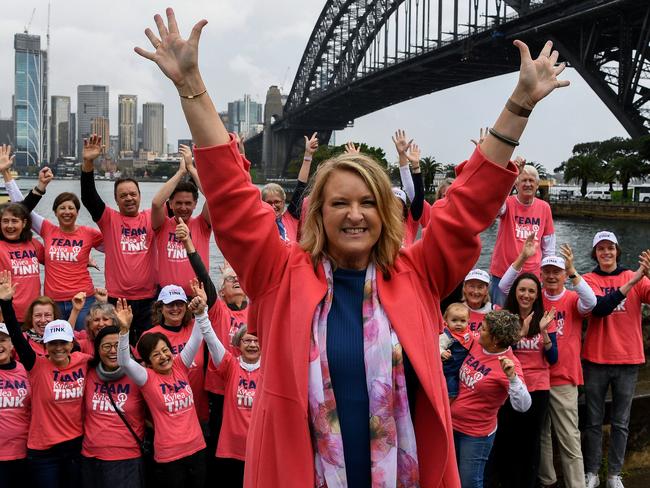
[{"x": 538, "y": 77}]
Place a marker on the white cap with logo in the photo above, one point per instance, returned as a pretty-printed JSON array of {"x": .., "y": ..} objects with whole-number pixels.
[
  {"x": 478, "y": 274},
  {"x": 58, "y": 330},
  {"x": 399, "y": 193},
  {"x": 604, "y": 235},
  {"x": 556, "y": 261},
  {"x": 172, "y": 293},
  {"x": 3, "y": 329}
]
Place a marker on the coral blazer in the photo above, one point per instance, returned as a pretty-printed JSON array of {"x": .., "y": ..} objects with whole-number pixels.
[{"x": 285, "y": 289}]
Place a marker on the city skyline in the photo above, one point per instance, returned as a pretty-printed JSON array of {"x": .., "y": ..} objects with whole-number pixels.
[{"x": 245, "y": 48}]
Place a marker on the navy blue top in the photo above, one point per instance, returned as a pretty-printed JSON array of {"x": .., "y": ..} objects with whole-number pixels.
[{"x": 348, "y": 373}]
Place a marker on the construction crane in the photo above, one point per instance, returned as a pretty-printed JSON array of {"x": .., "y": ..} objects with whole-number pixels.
[{"x": 29, "y": 24}]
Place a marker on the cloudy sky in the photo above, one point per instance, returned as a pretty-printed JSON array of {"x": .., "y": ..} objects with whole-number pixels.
[{"x": 249, "y": 45}]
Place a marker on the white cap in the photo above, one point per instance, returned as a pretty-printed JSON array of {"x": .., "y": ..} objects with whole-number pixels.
[
  {"x": 604, "y": 235},
  {"x": 478, "y": 274},
  {"x": 172, "y": 293},
  {"x": 399, "y": 193},
  {"x": 556, "y": 261},
  {"x": 58, "y": 330},
  {"x": 3, "y": 329}
]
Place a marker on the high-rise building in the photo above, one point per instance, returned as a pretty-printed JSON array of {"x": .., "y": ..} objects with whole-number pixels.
[
  {"x": 244, "y": 115},
  {"x": 30, "y": 101},
  {"x": 128, "y": 120},
  {"x": 60, "y": 128},
  {"x": 113, "y": 149},
  {"x": 73, "y": 135},
  {"x": 153, "y": 127},
  {"x": 92, "y": 102},
  {"x": 101, "y": 127},
  {"x": 7, "y": 131}
]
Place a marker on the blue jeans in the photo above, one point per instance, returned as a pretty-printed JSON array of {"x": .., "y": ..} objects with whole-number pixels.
[
  {"x": 497, "y": 297},
  {"x": 598, "y": 378},
  {"x": 472, "y": 454},
  {"x": 66, "y": 309},
  {"x": 58, "y": 466}
]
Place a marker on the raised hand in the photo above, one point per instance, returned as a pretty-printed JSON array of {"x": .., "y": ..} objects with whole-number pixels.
[
  {"x": 413, "y": 155},
  {"x": 508, "y": 366},
  {"x": 197, "y": 305},
  {"x": 401, "y": 143},
  {"x": 176, "y": 57},
  {"x": 6, "y": 158},
  {"x": 525, "y": 324},
  {"x": 93, "y": 147},
  {"x": 520, "y": 162},
  {"x": 182, "y": 230},
  {"x": 311, "y": 144},
  {"x": 482, "y": 135},
  {"x": 186, "y": 154},
  {"x": 78, "y": 301},
  {"x": 546, "y": 319},
  {"x": 101, "y": 295},
  {"x": 567, "y": 253},
  {"x": 537, "y": 77},
  {"x": 45, "y": 176},
  {"x": 530, "y": 247},
  {"x": 350, "y": 148},
  {"x": 198, "y": 290},
  {"x": 124, "y": 314},
  {"x": 7, "y": 288}
]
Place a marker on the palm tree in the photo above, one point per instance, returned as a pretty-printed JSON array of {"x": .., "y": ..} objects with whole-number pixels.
[
  {"x": 584, "y": 168},
  {"x": 541, "y": 170},
  {"x": 429, "y": 168}
]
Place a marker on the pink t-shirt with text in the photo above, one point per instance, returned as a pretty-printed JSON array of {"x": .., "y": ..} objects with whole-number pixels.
[
  {"x": 483, "y": 389},
  {"x": 177, "y": 433},
  {"x": 22, "y": 259},
  {"x": 15, "y": 409},
  {"x": 173, "y": 266},
  {"x": 66, "y": 260},
  {"x": 100, "y": 418},
  {"x": 130, "y": 254},
  {"x": 515, "y": 225},
  {"x": 530, "y": 352},
  {"x": 57, "y": 401}
]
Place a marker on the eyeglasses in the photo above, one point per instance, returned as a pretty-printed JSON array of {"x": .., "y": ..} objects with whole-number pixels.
[
  {"x": 230, "y": 279},
  {"x": 46, "y": 316},
  {"x": 248, "y": 342},
  {"x": 108, "y": 347}
]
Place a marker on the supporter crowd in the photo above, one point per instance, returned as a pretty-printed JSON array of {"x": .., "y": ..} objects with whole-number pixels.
[{"x": 389, "y": 359}]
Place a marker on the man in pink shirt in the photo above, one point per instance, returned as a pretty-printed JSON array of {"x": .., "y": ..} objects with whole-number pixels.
[
  {"x": 174, "y": 268},
  {"x": 128, "y": 240},
  {"x": 521, "y": 215}
]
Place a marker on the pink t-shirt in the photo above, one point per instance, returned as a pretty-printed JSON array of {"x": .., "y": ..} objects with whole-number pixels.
[
  {"x": 100, "y": 418},
  {"x": 291, "y": 226},
  {"x": 410, "y": 231},
  {"x": 530, "y": 352},
  {"x": 173, "y": 266},
  {"x": 483, "y": 389},
  {"x": 37, "y": 347},
  {"x": 226, "y": 323},
  {"x": 15, "y": 407},
  {"x": 237, "y": 407},
  {"x": 22, "y": 259},
  {"x": 171, "y": 404},
  {"x": 66, "y": 260},
  {"x": 515, "y": 225},
  {"x": 476, "y": 316},
  {"x": 130, "y": 254},
  {"x": 57, "y": 404},
  {"x": 568, "y": 322},
  {"x": 178, "y": 339},
  {"x": 616, "y": 338}
]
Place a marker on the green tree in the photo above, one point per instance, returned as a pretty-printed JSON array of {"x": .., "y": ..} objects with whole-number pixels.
[
  {"x": 543, "y": 172},
  {"x": 324, "y": 152},
  {"x": 429, "y": 168},
  {"x": 583, "y": 168},
  {"x": 449, "y": 170}
]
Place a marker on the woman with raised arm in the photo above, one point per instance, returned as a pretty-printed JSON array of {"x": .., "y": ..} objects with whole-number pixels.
[
  {"x": 336, "y": 377},
  {"x": 57, "y": 380},
  {"x": 179, "y": 448},
  {"x": 67, "y": 245}
]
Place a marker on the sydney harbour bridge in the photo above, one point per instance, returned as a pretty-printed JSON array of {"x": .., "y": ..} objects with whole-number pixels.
[{"x": 365, "y": 55}]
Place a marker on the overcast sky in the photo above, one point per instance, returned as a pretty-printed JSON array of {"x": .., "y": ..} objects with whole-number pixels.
[{"x": 252, "y": 44}]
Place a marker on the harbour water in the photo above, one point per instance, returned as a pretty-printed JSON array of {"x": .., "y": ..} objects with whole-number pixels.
[{"x": 633, "y": 237}]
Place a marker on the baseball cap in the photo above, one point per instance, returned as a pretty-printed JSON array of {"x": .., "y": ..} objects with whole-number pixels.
[
  {"x": 172, "y": 293},
  {"x": 604, "y": 235},
  {"x": 399, "y": 194},
  {"x": 58, "y": 330},
  {"x": 3, "y": 329},
  {"x": 478, "y": 274},
  {"x": 553, "y": 261}
]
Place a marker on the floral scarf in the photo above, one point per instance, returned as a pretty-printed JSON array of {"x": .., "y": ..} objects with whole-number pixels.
[{"x": 393, "y": 452}]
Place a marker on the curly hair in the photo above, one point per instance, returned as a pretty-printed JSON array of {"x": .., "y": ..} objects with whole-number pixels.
[{"x": 503, "y": 326}]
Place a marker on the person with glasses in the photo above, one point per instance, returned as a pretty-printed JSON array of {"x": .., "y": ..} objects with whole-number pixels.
[
  {"x": 115, "y": 459},
  {"x": 240, "y": 375},
  {"x": 39, "y": 313}
]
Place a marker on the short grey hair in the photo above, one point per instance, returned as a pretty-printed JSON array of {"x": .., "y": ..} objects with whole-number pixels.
[
  {"x": 236, "y": 339},
  {"x": 273, "y": 188},
  {"x": 530, "y": 170}
]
